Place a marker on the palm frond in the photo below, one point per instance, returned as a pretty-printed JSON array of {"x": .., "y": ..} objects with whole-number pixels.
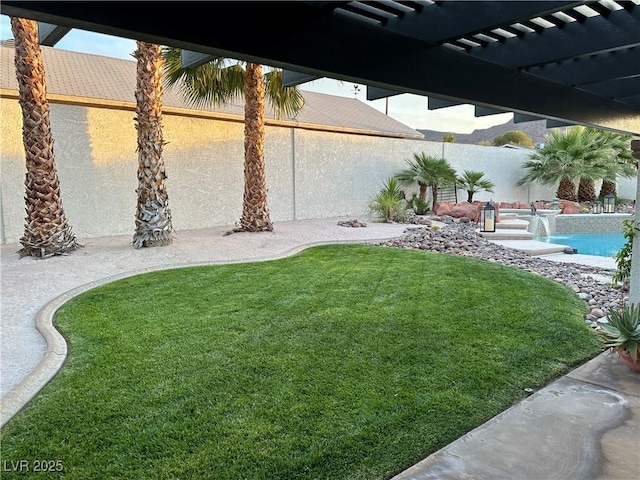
[
  {"x": 285, "y": 101},
  {"x": 213, "y": 83}
]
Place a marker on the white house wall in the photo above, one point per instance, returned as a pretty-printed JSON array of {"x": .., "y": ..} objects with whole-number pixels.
[{"x": 310, "y": 174}]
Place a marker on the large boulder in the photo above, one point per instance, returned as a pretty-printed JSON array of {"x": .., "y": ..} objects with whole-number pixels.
[
  {"x": 567, "y": 207},
  {"x": 467, "y": 210},
  {"x": 442, "y": 208}
]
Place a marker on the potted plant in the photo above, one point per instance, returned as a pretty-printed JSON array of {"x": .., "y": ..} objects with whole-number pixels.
[{"x": 622, "y": 335}]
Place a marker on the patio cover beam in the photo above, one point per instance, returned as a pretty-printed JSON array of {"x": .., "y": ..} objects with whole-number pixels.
[
  {"x": 596, "y": 68},
  {"x": 485, "y": 112},
  {"x": 447, "y": 20},
  {"x": 189, "y": 59},
  {"x": 374, "y": 93},
  {"x": 622, "y": 87},
  {"x": 49, "y": 34},
  {"x": 328, "y": 45},
  {"x": 291, "y": 78},
  {"x": 435, "y": 103},
  {"x": 596, "y": 34},
  {"x": 521, "y": 118}
]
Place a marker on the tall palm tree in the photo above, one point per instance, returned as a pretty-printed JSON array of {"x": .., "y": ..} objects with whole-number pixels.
[
  {"x": 218, "y": 81},
  {"x": 473, "y": 183},
  {"x": 153, "y": 216},
  {"x": 47, "y": 232},
  {"x": 255, "y": 211},
  {"x": 427, "y": 171},
  {"x": 565, "y": 158}
]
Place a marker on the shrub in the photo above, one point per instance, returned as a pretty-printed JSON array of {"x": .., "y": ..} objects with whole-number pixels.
[
  {"x": 419, "y": 206},
  {"x": 389, "y": 203},
  {"x": 623, "y": 257}
]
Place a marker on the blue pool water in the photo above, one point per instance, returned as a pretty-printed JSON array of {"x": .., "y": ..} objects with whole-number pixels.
[{"x": 600, "y": 244}]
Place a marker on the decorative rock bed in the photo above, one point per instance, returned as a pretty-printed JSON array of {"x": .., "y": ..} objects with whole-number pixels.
[
  {"x": 592, "y": 284},
  {"x": 351, "y": 223}
]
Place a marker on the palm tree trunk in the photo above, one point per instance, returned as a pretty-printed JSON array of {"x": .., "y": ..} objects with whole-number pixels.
[
  {"x": 608, "y": 188},
  {"x": 47, "y": 232},
  {"x": 423, "y": 191},
  {"x": 566, "y": 190},
  {"x": 586, "y": 190},
  {"x": 434, "y": 192},
  {"x": 153, "y": 216},
  {"x": 255, "y": 212}
]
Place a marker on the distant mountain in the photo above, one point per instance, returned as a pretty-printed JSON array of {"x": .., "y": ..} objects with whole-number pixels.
[{"x": 535, "y": 130}]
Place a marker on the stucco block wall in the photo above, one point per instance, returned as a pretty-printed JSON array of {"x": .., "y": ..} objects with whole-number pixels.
[
  {"x": 503, "y": 166},
  {"x": 337, "y": 174},
  {"x": 310, "y": 173},
  {"x": 204, "y": 165}
]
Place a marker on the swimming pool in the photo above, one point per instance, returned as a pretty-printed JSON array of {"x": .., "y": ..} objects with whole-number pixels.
[{"x": 599, "y": 244}]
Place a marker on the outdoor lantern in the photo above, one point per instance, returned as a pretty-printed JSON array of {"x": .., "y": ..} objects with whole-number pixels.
[
  {"x": 598, "y": 207},
  {"x": 488, "y": 218},
  {"x": 610, "y": 203}
]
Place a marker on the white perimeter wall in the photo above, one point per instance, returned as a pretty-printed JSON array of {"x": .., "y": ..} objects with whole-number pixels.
[{"x": 310, "y": 174}]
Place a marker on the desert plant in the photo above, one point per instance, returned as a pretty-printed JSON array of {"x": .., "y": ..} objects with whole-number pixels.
[
  {"x": 622, "y": 333},
  {"x": 427, "y": 171},
  {"x": 389, "y": 203},
  {"x": 473, "y": 182},
  {"x": 621, "y": 164},
  {"x": 419, "y": 206},
  {"x": 623, "y": 257},
  {"x": 566, "y": 157}
]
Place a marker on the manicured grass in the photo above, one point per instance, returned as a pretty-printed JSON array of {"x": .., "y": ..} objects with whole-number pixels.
[{"x": 342, "y": 362}]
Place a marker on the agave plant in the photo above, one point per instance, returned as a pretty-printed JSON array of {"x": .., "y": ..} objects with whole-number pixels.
[{"x": 622, "y": 333}]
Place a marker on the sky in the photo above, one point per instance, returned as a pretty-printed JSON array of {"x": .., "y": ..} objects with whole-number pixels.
[{"x": 406, "y": 108}]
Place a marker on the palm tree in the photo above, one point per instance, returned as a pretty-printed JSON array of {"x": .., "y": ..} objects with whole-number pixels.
[
  {"x": 255, "y": 211},
  {"x": 47, "y": 232},
  {"x": 153, "y": 216},
  {"x": 620, "y": 165},
  {"x": 473, "y": 182},
  {"x": 216, "y": 82},
  {"x": 427, "y": 171},
  {"x": 565, "y": 158}
]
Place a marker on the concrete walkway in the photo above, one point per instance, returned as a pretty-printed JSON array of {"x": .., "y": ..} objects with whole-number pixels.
[
  {"x": 585, "y": 425},
  {"x": 32, "y": 289}
]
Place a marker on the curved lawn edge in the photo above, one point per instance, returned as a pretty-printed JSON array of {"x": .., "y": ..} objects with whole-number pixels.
[
  {"x": 56, "y": 353},
  {"x": 182, "y": 388}
]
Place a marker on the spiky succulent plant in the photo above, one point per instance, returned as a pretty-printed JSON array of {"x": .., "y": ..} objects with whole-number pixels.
[{"x": 622, "y": 333}]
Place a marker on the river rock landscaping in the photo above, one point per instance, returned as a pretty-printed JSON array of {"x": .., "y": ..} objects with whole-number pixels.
[{"x": 452, "y": 236}]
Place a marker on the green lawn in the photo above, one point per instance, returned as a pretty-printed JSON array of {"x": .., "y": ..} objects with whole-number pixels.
[{"x": 342, "y": 362}]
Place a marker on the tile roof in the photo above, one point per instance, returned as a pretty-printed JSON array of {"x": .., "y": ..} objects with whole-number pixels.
[{"x": 106, "y": 79}]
